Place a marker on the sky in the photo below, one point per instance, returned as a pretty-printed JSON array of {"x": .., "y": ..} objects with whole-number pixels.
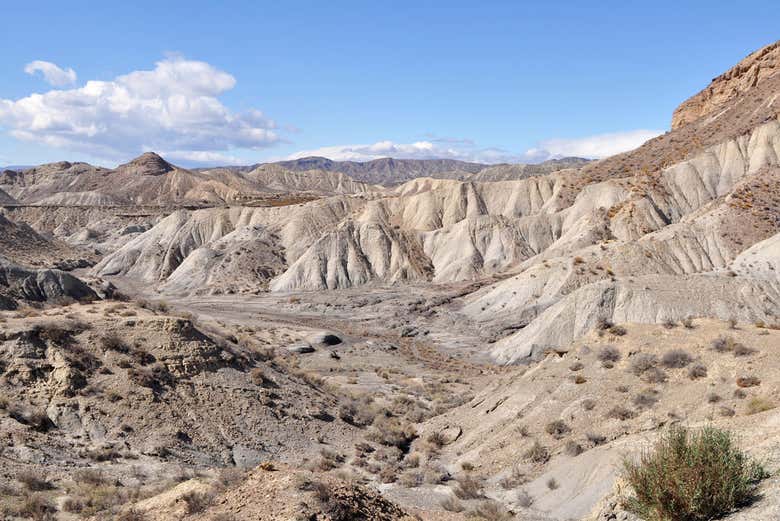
[{"x": 241, "y": 82}]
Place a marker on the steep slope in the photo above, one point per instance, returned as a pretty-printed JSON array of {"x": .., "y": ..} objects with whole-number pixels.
[
  {"x": 584, "y": 412},
  {"x": 266, "y": 235},
  {"x": 23, "y": 245},
  {"x": 744, "y": 76},
  {"x": 6, "y": 199},
  {"x": 274, "y": 177}
]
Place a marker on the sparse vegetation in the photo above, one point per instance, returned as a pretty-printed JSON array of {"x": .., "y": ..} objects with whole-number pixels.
[
  {"x": 572, "y": 448},
  {"x": 537, "y": 453},
  {"x": 490, "y": 510},
  {"x": 654, "y": 375},
  {"x": 697, "y": 370},
  {"x": 676, "y": 358},
  {"x": 557, "y": 429},
  {"x": 691, "y": 476},
  {"x": 609, "y": 354},
  {"x": 621, "y": 413},
  {"x": 758, "y": 404},
  {"x": 468, "y": 487},
  {"x": 642, "y": 362}
]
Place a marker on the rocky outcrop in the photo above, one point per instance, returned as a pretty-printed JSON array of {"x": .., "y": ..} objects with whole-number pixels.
[
  {"x": 6, "y": 199},
  {"x": 17, "y": 283},
  {"x": 748, "y": 73}
]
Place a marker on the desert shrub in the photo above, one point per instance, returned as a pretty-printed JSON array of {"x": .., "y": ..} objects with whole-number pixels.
[
  {"x": 579, "y": 379},
  {"x": 723, "y": 344},
  {"x": 196, "y": 502},
  {"x": 552, "y": 484},
  {"x": 621, "y": 413},
  {"x": 713, "y": 398},
  {"x": 90, "y": 477},
  {"x": 537, "y": 453},
  {"x": 669, "y": 323},
  {"x": 113, "y": 342},
  {"x": 742, "y": 350},
  {"x": 467, "y": 466},
  {"x": 726, "y": 411},
  {"x": 54, "y": 333},
  {"x": 676, "y": 358},
  {"x": 691, "y": 476},
  {"x": 618, "y": 330},
  {"x": 393, "y": 433},
  {"x": 142, "y": 357},
  {"x": 603, "y": 324},
  {"x": 595, "y": 439},
  {"x": 36, "y": 506},
  {"x": 759, "y": 404},
  {"x": 576, "y": 366},
  {"x": 524, "y": 499},
  {"x": 572, "y": 448},
  {"x": 468, "y": 487},
  {"x": 137, "y": 515},
  {"x": 515, "y": 478},
  {"x": 359, "y": 412},
  {"x": 646, "y": 399},
  {"x": 491, "y": 510},
  {"x": 654, "y": 376},
  {"x": 642, "y": 362},
  {"x": 609, "y": 354},
  {"x": 697, "y": 370},
  {"x": 411, "y": 479},
  {"x": 588, "y": 404},
  {"x": 72, "y": 505},
  {"x": 33, "y": 481},
  {"x": 557, "y": 429},
  {"x": 258, "y": 377},
  {"x": 732, "y": 323},
  {"x": 436, "y": 439},
  {"x": 435, "y": 474},
  {"x": 687, "y": 323},
  {"x": 739, "y": 394}
]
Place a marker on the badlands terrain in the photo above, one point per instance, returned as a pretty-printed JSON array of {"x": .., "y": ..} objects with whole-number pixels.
[{"x": 396, "y": 339}]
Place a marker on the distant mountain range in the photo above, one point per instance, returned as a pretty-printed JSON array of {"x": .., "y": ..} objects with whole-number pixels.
[{"x": 390, "y": 171}]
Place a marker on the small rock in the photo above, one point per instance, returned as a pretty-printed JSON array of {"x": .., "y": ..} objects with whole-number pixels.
[{"x": 300, "y": 349}]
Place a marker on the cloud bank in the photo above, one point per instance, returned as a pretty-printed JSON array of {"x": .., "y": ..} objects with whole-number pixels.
[
  {"x": 174, "y": 107},
  {"x": 461, "y": 149},
  {"x": 590, "y": 147}
]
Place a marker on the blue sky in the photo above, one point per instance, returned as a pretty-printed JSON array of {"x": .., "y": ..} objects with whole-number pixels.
[{"x": 488, "y": 81}]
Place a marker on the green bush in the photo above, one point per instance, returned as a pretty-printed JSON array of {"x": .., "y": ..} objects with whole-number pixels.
[{"x": 691, "y": 475}]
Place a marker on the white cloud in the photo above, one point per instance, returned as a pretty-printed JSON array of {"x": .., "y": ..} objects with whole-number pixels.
[
  {"x": 591, "y": 147},
  {"x": 173, "y": 107},
  {"x": 53, "y": 74},
  {"x": 203, "y": 157},
  {"x": 460, "y": 149}
]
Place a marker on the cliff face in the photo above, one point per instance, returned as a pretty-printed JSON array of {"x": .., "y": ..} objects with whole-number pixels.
[{"x": 754, "y": 69}]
